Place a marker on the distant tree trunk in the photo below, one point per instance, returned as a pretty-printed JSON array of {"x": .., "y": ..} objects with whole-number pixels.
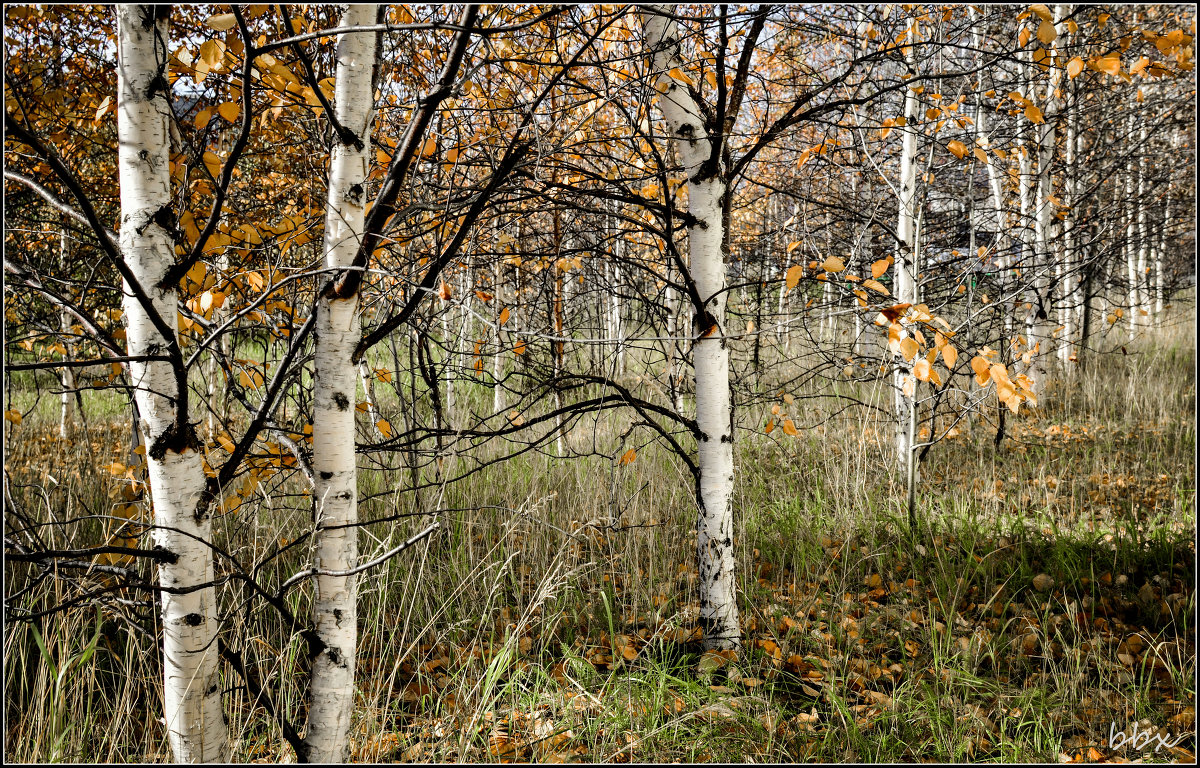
[
  {"x": 905, "y": 268},
  {"x": 1045, "y": 220},
  {"x": 67, "y": 415},
  {"x": 498, "y": 358},
  {"x": 1142, "y": 310},
  {"x": 335, "y": 611},
  {"x": 706, "y": 242},
  {"x": 1131, "y": 252},
  {"x": 195, "y": 723}
]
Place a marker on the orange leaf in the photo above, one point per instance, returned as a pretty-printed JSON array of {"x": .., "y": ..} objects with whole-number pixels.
[
  {"x": 833, "y": 264},
  {"x": 504, "y": 313},
  {"x": 793, "y": 276},
  {"x": 384, "y": 427},
  {"x": 628, "y": 457},
  {"x": 789, "y": 428},
  {"x": 879, "y": 267}
]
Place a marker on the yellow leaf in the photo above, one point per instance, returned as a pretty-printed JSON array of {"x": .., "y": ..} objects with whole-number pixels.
[
  {"x": 908, "y": 348},
  {"x": 211, "y": 52},
  {"x": 982, "y": 370},
  {"x": 793, "y": 276},
  {"x": 1033, "y": 114},
  {"x": 1074, "y": 67},
  {"x": 833, "y": 264},
  {"x": 100, "y": 110},
  {"x": 876, "y": 286},
  {"x": 429, "y": 148},
  {"x": 13, "y": 415},
  {"x": 1023, "y": 37},
  {"x": 230, "y": 111},
  {"x": 921, "y": 369},
  {"x": 1041, "y": 11},
  {"x": 789, "y": 428},
  {"x": 957, "y": 148},
  {"x": 950, "y": 355},
  {"x": 676, "y": 73},
  {"x": 1046, "y": 32},
  {"x": 519, "y": 348},
  {"x": 628, "y": 457},
  {"x": 879, "y": 267},
  {"x": 980, "y": 154},
  {"x": 225, "y": 442},
  {"x": 1109, "y": 65},
  {"x": 222, "y": 22},
  {"x": 711, "y": 78},
  {"x": 770, "y": 426},
  {"x": 793, "y": 246},
  {"x": 504, "y": 313},
  {"x": 212, "y": 163},
  {"x": 384, "y": 427}
]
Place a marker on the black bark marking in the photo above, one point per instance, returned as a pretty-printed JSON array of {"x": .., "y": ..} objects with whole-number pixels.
[
  {"x": 337, "y": 616},
  {"x": 335, "y": 657},
  {"x": 340, "y": 401},
  {"x": 193, "y": 619},
  {"x": 315, "y": 643},
  {"x": 170, "y": 440},
  {"x": 355, "y": 194},
  {"x": 326, "y": 475}
]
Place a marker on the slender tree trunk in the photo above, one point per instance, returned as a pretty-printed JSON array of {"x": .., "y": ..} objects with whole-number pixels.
[
  {"x": 335, "y": 611},
  {"x": 905, "y": 268},
  {"x": 195, "y": 723},
  {"x": 498, "y": 358},
  {"x": 1142, "y": 310},
  {"x": 714, "y": 416},
  {"x": 66, "y": 420},
  {"x": 1131, "y": 254}
]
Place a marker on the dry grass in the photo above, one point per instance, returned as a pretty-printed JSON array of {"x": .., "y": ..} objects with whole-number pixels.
[{"x": 552, "y": 616}]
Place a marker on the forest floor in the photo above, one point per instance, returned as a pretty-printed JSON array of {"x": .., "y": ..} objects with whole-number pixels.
[{"x": 1042, "y": 610}]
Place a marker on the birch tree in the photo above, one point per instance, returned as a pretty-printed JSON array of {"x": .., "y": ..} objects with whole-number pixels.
[
  {"x": 701, "y": 157},
  {"x": 335, "y": 616},
  {"x": 183, "y": 526}
]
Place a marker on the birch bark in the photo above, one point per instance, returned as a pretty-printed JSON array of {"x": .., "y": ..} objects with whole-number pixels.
[
  {"x": 195, "y": 724},
  {"x": 906, "y": 284},
  {"x": 702, "y": 161},
  {"x": 331, "y": 694}
]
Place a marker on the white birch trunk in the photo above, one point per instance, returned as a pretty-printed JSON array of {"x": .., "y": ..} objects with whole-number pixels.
[
  {"x": 1069, "y": 258},
  {"x": 195, "y": 724},
  {"x": 1130, "y": 255},
  {"x": 335, "y": 613},
  {"x": 1143, "y": 236},
  {"x": 905, "y": 269},
  {"x": 66, "y": 418},
  {"x": 1040, "y": 338},
  {"x": 498, "y": 357},
  {"x": 706, "y": 193},
  {"x": 1161, "y": 247}
]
